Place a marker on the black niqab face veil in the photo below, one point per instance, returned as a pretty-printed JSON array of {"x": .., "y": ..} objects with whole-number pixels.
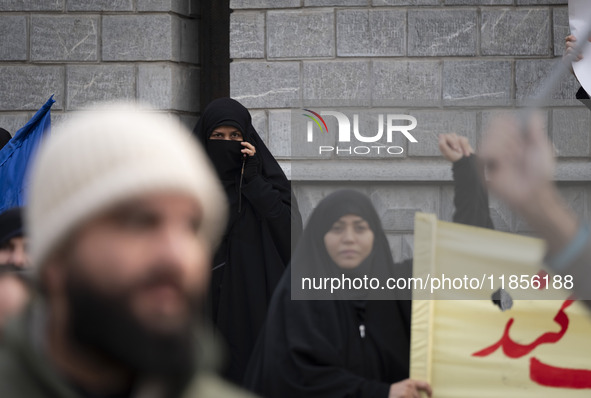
[{"x": 226, "y": 157}]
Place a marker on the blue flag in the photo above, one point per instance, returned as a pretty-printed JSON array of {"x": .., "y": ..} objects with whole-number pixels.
[{"x": 15, "y": 156}]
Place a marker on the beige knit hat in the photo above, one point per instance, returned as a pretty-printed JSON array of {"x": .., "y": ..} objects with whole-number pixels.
[{"x": 101, "y": 157}]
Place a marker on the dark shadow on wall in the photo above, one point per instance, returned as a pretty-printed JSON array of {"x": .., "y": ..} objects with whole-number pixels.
[{"x": 215, "y": 50}]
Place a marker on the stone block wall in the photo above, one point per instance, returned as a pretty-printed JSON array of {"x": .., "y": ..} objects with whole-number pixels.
[
  {"x": 450, "y": 63},
  {"x": 85, "y": 51}
]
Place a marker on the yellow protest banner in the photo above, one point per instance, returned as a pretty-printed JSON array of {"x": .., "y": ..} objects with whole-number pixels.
[{"x": 539, "y": 347}]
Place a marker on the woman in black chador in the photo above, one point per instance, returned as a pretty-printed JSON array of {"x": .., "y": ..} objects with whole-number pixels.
[
  {"x": 354, "y": 343},
  {"x": 256, "y": 247},
  {"x": 337, "y": 348}
]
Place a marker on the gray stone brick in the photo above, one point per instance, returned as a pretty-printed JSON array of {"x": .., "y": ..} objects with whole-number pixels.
[
  {"x": 336, "y": 83},
  {"x": 13, "y": 38},
  {"x": 561, "y": 29},
  {"x": 64, "y": 38},
  {"x": 238, "y": 4},
  {"x": 177, "y": 6},
  {"x": 446, "y": 203},
  {"x": 482, "y": 83},
  {"x": 88, "y": 84},
  {"x": 330, "y": 3},
  {"x": 151, "y": 37},
  {"x": 100, "y": 5},
  {"x": 247, "y": 34},
  {"x": 186, "y": 95},
  {"x": 478, "y": 2},
  {"x": 395, "y": 243},
  {"x": 531, "y": 74},
  {"x": 280, "y": 133},
  {"x": 570, "y": 132},
  {"x": 382, "y": 170},
  {"x": 12, "y": 122},
  {"x": 536, "y": 2},
  {"x": 57, "y": 118},
  {"x": 405, "y": 2},
  {"x": 406, "y": 83},
  {"x": 188, "y": 121},
  {"x": 169, "y": 86},
  {"x": 408, "y": 247},
  {"x": 397, "y": 205},
  {"x": 401, "y": 246},
  {"x": 432, "y": 123},
  {"x": 300, "y": 34},
  {"x": 573, "y": 171},
  {"x": 515, "y": 32},
  {"x": 442, "y": 32},
  {"x": 31, "y": 5},
  {"x": 259, "y": 122},
  {"x": 371, "y": 32},
  {"x": 30, "y": 87},
  {"x": 575, "y": 197},
  {"x": 189, "y": 41},
  {"x": 265, "y": 84}
]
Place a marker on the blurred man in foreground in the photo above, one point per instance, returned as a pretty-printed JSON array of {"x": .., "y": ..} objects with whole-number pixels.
[
  {"x": 123, "y": 215},
  {"x": 520, "y": 171}
]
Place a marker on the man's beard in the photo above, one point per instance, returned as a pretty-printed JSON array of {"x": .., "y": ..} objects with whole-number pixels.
[
  {"x": 11, "y": 267},
  {"x": 103, "y": 324}
]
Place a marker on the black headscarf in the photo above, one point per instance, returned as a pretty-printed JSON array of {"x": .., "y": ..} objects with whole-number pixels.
[
  {"x": 333, "y": 348},
  {"x": 4, "y": 137},
  {"x": 257, "y": 244},
  {"x": 11, "y": 224},
  {"x": 229, "y": 112}
]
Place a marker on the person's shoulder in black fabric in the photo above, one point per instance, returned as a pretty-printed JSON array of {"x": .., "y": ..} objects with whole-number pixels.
[{"x": 470, "y": 194}]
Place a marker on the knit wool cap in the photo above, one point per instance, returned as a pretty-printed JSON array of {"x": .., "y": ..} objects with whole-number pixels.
[{"x": 102, "y": 157}]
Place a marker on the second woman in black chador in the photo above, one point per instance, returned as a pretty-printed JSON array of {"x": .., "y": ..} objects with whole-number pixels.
[{"x": 256, "y": 246}]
